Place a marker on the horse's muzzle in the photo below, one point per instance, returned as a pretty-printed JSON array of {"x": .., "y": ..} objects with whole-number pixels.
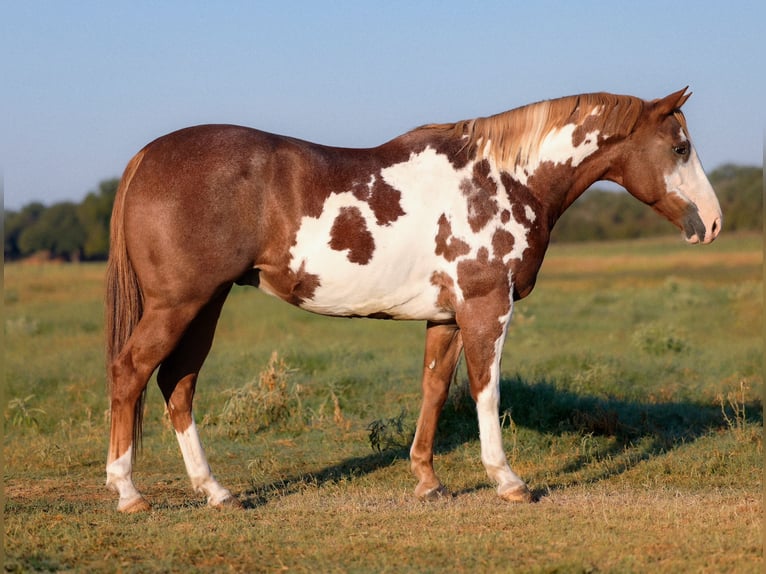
[{"x": 695, "y": 230}]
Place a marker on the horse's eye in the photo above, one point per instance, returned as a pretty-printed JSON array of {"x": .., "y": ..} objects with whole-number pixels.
[{"x": 681, "y": 149}]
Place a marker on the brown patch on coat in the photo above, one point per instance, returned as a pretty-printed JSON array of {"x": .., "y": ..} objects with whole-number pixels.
[
  {"x": 385, "y": 202},
  {"x": 295, "y": 287},
  {"x": 479, "y": 193},
  {"x": 454, "y": 148},
  {"x": 446, "y": 245},
  {"x": 502, "y": 243},
  {"x": 486, "y": 298},
  {"x": 481, "y": 276},
  {"x": 481, "y": 177},
  {"x": 349, "y": 231},
  {"x": 591, "y": 124},
  {"x": 525, "y": 269},
  {"x": 520, "y": 196},
  {"x": 446, "y": 285},
  {"x": 383, "y": 199},
  {"x": 305, "y": 285}
]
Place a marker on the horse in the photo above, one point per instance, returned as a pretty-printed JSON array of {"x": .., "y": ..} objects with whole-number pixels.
[{"x": 447, "y": 224}]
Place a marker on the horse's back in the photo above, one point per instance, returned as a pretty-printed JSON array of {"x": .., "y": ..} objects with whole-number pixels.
[
  {"x": 212, "y": 203},
  {"x": 216, "y": 156}
]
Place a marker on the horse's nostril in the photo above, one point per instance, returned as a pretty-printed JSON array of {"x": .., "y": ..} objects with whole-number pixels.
[{"x": 716, "y": 227}]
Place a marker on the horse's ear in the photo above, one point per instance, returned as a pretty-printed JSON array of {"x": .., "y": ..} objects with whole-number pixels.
[{"x": 672, "y": 102}]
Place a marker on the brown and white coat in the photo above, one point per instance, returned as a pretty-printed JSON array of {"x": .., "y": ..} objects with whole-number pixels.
[{"x": 448, "y": 223}]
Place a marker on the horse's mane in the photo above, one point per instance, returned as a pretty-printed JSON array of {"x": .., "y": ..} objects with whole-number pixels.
[{"x": 514, "y": 137}]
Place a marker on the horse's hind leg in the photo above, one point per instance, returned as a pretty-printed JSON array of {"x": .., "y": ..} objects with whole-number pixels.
[
  {"x": 177, "y": 378},
  {"x": 156, "y": 334},
  {"x": 443, "y": 346}
]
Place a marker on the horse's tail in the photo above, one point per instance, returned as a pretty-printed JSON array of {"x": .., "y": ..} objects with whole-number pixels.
[{"x": 124, "y": 300}]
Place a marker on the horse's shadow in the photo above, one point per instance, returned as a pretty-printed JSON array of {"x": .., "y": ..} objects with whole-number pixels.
[{"x": 542, "y": 406}]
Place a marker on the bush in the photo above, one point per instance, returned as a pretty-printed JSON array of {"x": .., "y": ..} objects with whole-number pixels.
[{"x": 262, "y": 403}]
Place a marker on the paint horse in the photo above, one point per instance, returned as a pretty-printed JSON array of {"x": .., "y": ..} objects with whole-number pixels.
[{"x": 447, "y": 223}]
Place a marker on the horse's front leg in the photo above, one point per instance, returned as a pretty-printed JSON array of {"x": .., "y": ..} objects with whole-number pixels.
[
  {"x": 443, "y": 346},
  {"x": 484, "y": 327}
]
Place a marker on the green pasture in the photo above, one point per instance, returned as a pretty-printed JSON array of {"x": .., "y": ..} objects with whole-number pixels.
[{"x": 631, "y": 387}]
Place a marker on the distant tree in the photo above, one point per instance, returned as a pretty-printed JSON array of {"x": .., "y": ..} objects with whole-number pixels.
[
  {"x": 740, "y": 191},
  {"x": 95, "y": 212},
  {"x": 57, "y": 231},
  {"x": 14, "y": 224},
  {"x": 600, "y": 215}
]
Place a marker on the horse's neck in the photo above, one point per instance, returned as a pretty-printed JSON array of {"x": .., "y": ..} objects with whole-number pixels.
[{"x": 557, "y": 186}]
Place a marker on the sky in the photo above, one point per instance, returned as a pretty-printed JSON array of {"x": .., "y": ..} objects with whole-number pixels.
[{"x": 85, "y": 85}]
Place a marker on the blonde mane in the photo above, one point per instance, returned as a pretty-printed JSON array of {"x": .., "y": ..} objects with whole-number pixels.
[{"x": 514, "y": 137}]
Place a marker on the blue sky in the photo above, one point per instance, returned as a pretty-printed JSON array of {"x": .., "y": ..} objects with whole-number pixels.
[{"x": 87, "y": 84}]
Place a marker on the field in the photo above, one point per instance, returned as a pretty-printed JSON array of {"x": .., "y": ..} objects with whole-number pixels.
[{"x": 631, "y": 386}]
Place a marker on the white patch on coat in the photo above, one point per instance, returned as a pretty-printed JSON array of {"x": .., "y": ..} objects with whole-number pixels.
[
  {"x": 397, "y": 279},
  {"x": 688, "y": 180},
  {"x": 557, "y": 148}
]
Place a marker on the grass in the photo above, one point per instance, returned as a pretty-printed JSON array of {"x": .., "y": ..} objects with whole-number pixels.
[{"x": 631, "y": 389}]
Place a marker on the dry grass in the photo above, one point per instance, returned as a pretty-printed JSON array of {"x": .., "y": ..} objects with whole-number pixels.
[
  {"x": 638, "y": 428},
  {"x": 371, "y": 528},
  {"x": 261, "y": 403}
]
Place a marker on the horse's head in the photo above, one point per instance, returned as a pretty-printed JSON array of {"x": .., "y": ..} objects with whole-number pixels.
[{"x": 660, "y": 167}]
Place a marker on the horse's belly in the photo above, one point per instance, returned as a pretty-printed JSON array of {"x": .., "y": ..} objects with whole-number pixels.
[{"x": 364, "y": 293}]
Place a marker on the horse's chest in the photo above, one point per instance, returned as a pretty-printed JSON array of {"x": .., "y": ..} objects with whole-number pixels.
[{"x": 413, "y": 242}]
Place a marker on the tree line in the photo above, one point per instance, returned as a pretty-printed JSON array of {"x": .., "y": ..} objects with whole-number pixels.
[
  {"x": 80, "y": 231},
  {"x": 66, "y": 230}
]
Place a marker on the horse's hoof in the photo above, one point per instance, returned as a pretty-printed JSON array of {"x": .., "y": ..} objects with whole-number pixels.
[
  {"x": 432, "y": 494},
  {"x": 136, "y": 505},
  {"x": 519, "y": 493},
  {"x": 228, "y": 502}
]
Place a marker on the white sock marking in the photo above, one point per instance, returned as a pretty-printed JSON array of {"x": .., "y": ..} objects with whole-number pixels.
[
  {"x": 119, "y": 478},
  {"x": 198, "y": 468},
  {"x": 487, "y": 408}
]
